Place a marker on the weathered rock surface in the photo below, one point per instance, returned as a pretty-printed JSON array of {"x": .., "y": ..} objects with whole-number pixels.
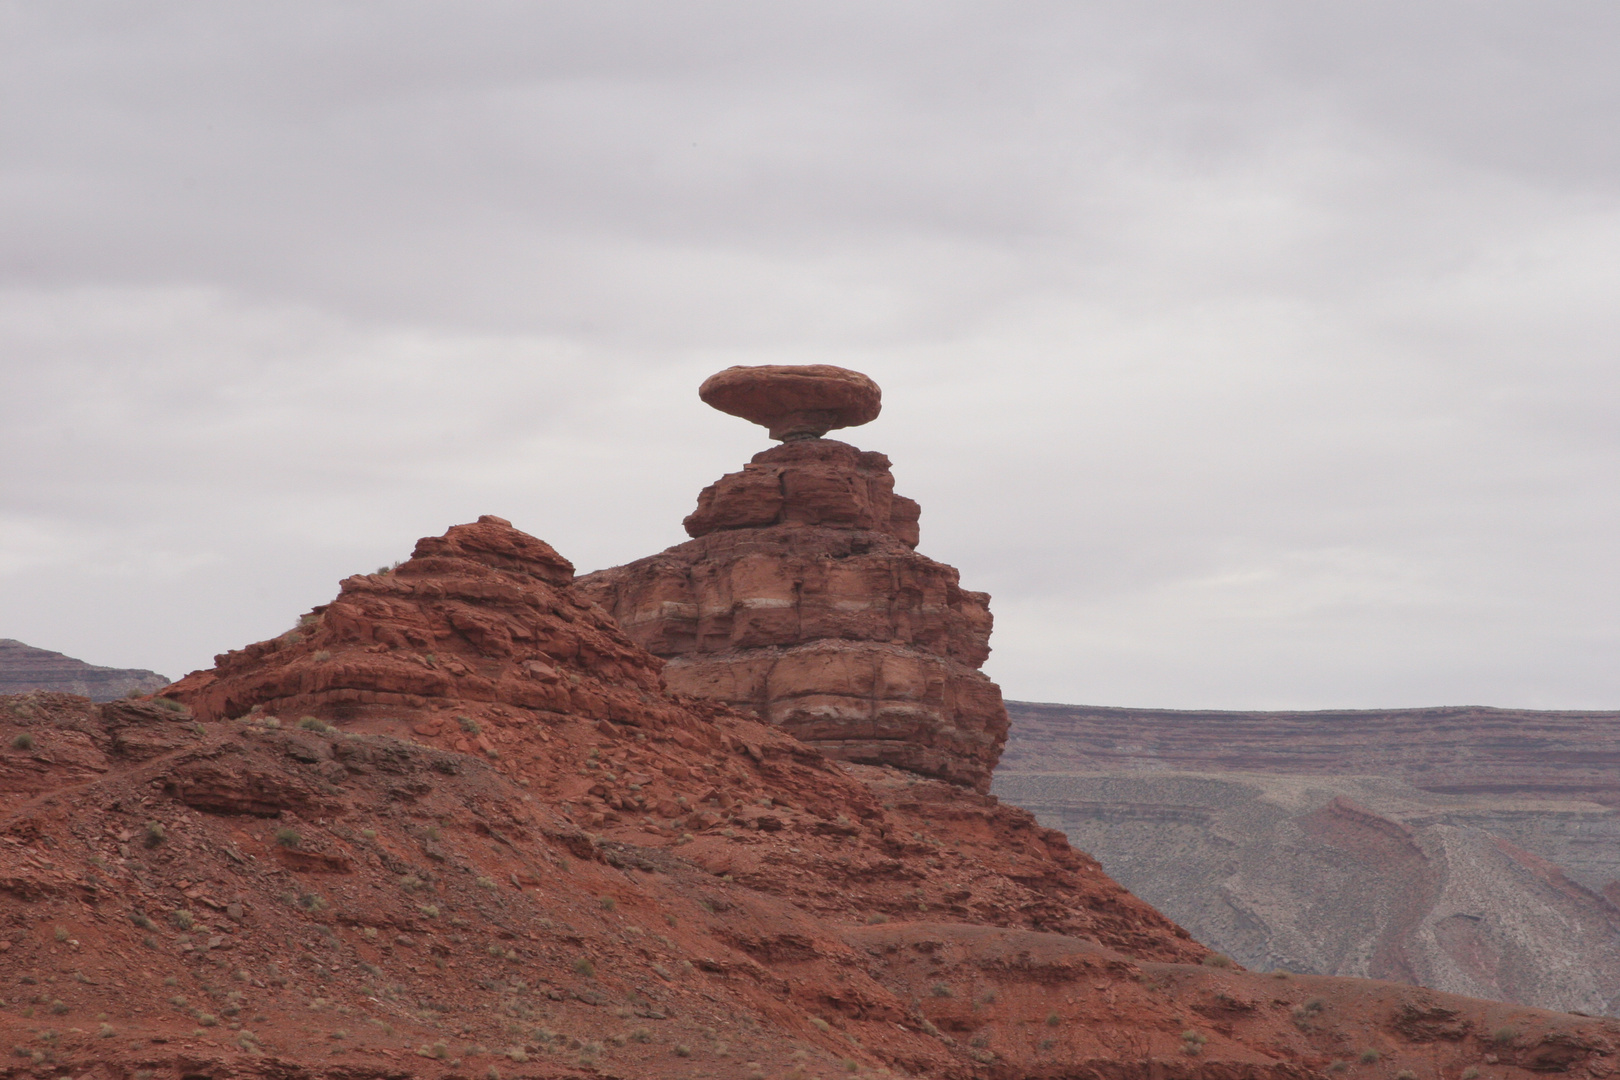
[
  {"x": 795, "y": 401},
  {"x": 1300, "y": 841},
  {"x": 801, "y": 601},
  {"x": 449, "y": 883},
  {"x": 24, "y": 668}
]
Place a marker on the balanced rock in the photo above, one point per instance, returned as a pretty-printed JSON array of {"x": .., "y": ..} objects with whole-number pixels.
[
  {"x": 801, "y": 601},
  {"x": 795, "y": 401}
]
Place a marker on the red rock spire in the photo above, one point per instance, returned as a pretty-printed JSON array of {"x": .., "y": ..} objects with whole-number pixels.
[{"x": 800, "y": 598}]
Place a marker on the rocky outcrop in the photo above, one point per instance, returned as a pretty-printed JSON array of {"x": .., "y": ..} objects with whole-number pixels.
[
  {"x": 1301, "y": 841},
  {"x": 481, "y": 644},
  {"x": 478, "y": 620},
  {"x": 24, "y": 668},
  {"x": 801, "y": 600}
]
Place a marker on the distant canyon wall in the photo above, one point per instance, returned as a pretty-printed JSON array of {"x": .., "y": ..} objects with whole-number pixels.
[{"x": 1469, "y": 850}]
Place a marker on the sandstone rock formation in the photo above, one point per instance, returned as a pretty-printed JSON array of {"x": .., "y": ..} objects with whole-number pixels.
[
  {"x": 795, "y": 401},
  {"x": 24, "y": 668},
  {"x": 1303, "y": 841},
  {"x": 800, "y": 600},
  {"x": 493, "y": 847}
]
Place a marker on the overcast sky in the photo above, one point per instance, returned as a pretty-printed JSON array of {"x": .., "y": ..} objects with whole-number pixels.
[{"x": 1250, "y": 354}]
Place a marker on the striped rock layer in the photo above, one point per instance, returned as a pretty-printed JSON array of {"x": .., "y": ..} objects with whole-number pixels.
[{"x": 801, "y": 600}]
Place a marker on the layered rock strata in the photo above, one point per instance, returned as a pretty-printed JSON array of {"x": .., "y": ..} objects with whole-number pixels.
[
  {"x": 478, "y": 619},
  {"x": 24, "y": 668},
  {"x": 1462, "y": 750},
  {"x": 800, "y": 600},
  {"x": 1465, "y": 849}
]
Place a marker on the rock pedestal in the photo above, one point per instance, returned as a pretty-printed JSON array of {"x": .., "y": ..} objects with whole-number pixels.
[{"x": 801, "y": 600}]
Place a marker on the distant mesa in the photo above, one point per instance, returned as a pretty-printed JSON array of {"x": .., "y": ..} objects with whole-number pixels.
[
  {"x": 795, "y": 401},
  {"x": 24, "y": 668}
]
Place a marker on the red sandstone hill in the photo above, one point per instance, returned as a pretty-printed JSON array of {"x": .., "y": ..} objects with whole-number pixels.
[{"x": 453, "y": 825}]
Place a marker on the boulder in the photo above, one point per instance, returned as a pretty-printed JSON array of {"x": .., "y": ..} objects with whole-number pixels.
[{"x": 795, "y": 401}]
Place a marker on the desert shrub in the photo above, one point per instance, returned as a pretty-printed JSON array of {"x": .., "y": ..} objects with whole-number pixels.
[
  {"x": 1339, "y": 1066},
  {"x": 1503, "y": 1035},
  {"x": 24, "y": 741},
  {"x": 469, "y": 725},
  {"x": 430, "y": 910},
  {"x": 1471, "y": 1073},
  {"x": 876, "y": 918},
  {"x": 1192, "y": 1042},
  {"x": 1217, "y": 960},
  {"x": 488, "y": 883},
  {"x": 142, "y": 921},
  {"x": 312, "y": 723},
  {"x": 1406, "y": 1074},
  {"x": 323, "y": 655},
  {"x": 608, "y": 903},
  {"x": 288, "y": 837},
  {"x": 155, "y": 834},
  {"x": 1053, "y": 1019},
  {"x": 940, "y": 990},
  {"x": 819, "y": 1024},
  {"x": 683, "y": 1051},
  {"x": 1369, "y": 1057},
  {"x": 61, "y": 933},
  {"x": 584, "y": 967},
  {"x": 184, "y": 919},
  {"x": 106, "y": 1031}
]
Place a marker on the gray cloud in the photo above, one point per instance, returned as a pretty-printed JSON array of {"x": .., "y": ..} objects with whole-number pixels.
[{"x": 1252, "y": 354}]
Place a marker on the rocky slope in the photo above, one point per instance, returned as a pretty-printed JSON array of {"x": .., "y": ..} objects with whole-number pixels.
[
  {"x": 1303, "y": 841},
  {"x": 24, "y": 668},
  {"x": 452, "y": 825}
]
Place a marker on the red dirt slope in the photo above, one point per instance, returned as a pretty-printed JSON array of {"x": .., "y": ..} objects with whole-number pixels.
[{"x": 497, "y": 848}]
